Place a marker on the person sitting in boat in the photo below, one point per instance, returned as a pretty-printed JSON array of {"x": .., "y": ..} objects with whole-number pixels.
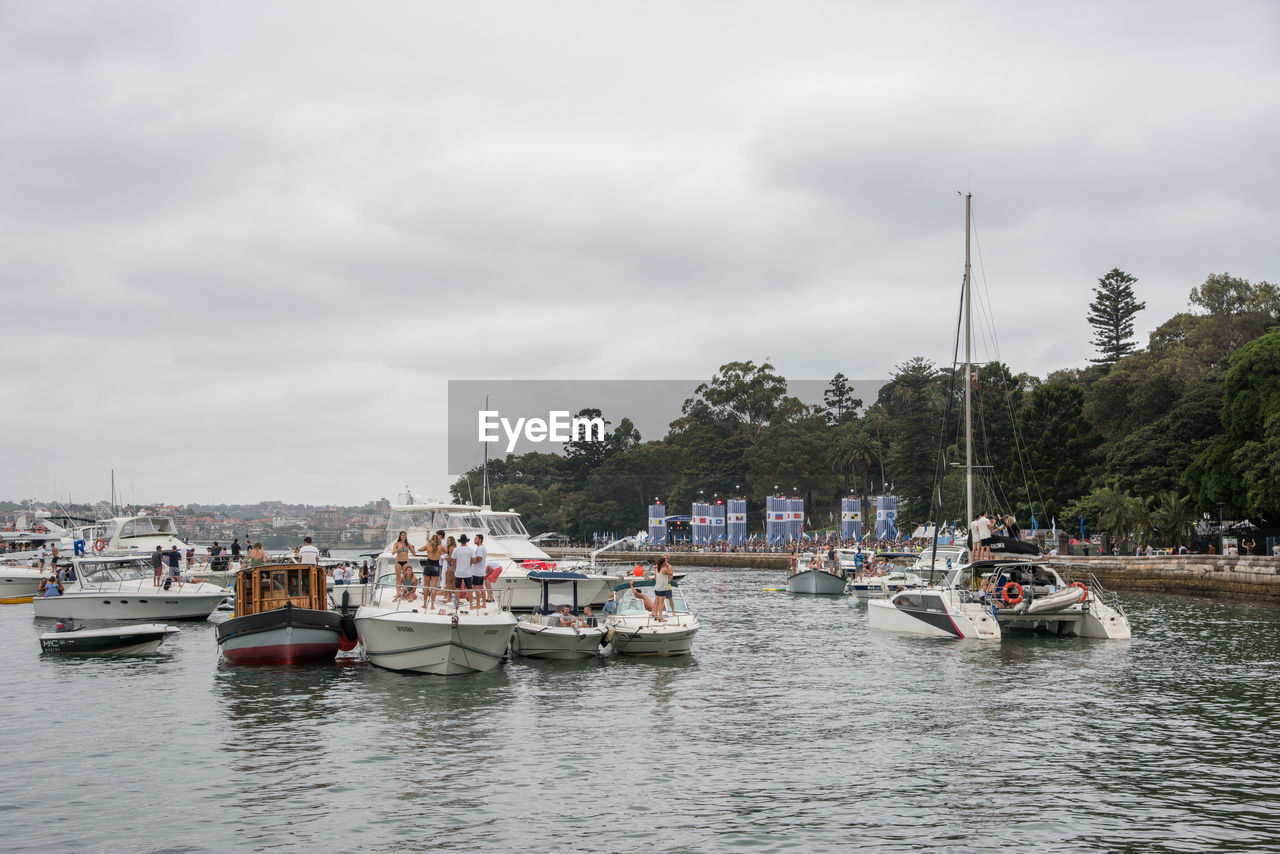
[
  {"x": 610, "y": 605},
  {"x": 588, "y": 619},
  {"x": 50, "y": 587},
  {"x": 565, "y": 618}
]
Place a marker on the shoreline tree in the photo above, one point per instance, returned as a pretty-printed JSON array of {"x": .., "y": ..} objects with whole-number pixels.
[{"x": 1111, "y": 315}]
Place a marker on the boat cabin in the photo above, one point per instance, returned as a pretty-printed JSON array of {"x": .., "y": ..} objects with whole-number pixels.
[
  {"x": 624, "y": 604},
  {"x": 266, "y": 588}
]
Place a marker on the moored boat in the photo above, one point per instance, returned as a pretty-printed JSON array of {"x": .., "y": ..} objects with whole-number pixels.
[
  {"x": 547, "y": 634},
  {"x": 69, "y": 639},
  {"x": 123, "y": 588},
  {"x": 282, "y": 617},
  {"x": 633, "y": 629},
  {"x": 816, "y": 580},
  {"x": 449, "y": 639}
]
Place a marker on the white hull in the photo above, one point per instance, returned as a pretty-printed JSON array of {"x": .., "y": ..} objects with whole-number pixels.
[
  {"x": 357, "y": 593},
  {"x": 956, "y": 620},
  {"x": 525, "y": 594},
  {"x": 558, "y": 643},
  {"x": 650, "y": 637},
  {"x": 18, "y": 581},
  {"x": 132, "y": 600},
  {"x": 1091, "y": 620},
  {"x": 457, "y": 641},
  {"x": 818, "y": 582}
]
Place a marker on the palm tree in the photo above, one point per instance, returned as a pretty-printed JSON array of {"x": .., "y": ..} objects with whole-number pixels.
[
  {"x": 1174, "y": 518},
  {"x": 853, "y": 451},
  {"x": 1119, "y": 513}
]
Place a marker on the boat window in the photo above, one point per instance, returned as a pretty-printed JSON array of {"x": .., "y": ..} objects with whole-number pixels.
[
  {"x": 306, "y": 582},
  {"x": 99, "y": 574},
  {"x": 293, "y": 583},
  {"x": 909, "y": 601}
]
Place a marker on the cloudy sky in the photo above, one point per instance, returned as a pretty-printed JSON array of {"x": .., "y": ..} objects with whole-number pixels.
[{"x": 246, "y": 245}]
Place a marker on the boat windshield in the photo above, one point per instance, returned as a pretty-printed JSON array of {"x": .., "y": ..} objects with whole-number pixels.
[
  {"x": 147, "y": 526},
  {"x": 630, "y": 606},
  {"x": 101, "y": 572},
  {"x": 434, "y": 519},
  {"x": 505, "y": 526}
]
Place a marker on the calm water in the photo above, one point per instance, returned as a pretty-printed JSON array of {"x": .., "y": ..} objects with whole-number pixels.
[{"x": 791, "y": 728}]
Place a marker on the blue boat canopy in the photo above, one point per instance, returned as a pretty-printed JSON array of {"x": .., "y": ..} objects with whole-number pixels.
[{"x": 556, "y": 575}]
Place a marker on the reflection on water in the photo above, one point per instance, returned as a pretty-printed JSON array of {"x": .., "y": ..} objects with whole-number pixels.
[{"x": 792, "y": 727}]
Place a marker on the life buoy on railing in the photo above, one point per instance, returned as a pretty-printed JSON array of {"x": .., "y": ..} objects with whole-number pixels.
[
  {"x": 1012, "y": 600},
  {"x": 99, "y": 545},
  {"x": 1083, "y": 587}
]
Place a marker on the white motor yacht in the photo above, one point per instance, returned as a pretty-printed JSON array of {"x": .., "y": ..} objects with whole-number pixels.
[
  {"x": 123, "y": 588},
  {"x": 19, "y": 581},
  {"x": 633, "y": 630},
  {"x": 448, "y": 639},
  {"x": 506, "y": 542}
]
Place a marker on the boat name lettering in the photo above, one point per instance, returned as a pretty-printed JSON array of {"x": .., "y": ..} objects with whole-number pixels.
[{"x": 404, "y": 628}]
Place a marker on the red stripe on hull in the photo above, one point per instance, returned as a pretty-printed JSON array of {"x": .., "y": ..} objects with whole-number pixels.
[{"x": 293, "y": 653}]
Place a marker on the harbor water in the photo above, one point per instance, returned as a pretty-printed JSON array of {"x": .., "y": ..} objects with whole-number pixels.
[{"x": 792, "y": 727}]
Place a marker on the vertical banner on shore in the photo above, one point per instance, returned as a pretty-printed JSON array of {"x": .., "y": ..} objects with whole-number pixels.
[
  {"x": 851, "y": 518},
  {"x": 700, "y": 523},
  {"x": 797, "y": 518},
  {"x": 775, "y": 520},
  {"x": 886, "y": 517},
  {"x": 737, "y": 526},
  {"x": 717, "y": 521},
  {"x": 657, "y": 524}
]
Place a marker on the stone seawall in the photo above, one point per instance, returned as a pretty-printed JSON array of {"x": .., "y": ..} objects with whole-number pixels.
[
  {"x": 1201, "y": 575},
  {"x": 1204, "y": 575}
]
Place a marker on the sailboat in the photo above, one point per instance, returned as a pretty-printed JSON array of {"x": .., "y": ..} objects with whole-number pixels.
[{"x": 982, "y": 599}]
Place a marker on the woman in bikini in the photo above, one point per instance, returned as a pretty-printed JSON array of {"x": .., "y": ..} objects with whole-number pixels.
[
  {"x": 431, "y": 571},
  {"x": 402, "y": 549},
  {"x": 450, "y": 566}
]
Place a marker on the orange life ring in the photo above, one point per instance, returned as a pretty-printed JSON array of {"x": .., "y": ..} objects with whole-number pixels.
[
  {"x": 1083, "y": 587},
  {"x": 1011, "y": 600},
  {"x": 99, "y": 545}
]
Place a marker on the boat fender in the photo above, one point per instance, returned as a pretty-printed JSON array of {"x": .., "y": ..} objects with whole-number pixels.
[
  {"x": 1083, "y": 587},
  {"x": 608, "y": 637},
  {"x": 347, "y": 636},
  {"x": 99, "y": 545},
  {"x": 1014, "y": 599}
]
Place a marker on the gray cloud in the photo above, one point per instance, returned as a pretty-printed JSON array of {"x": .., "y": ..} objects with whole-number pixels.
[{"x": 248, "y": 246}]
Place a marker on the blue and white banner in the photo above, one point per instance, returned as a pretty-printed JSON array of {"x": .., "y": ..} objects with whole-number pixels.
[
  {"x": 737, "y": 526},
  {"x": 886, "y": 517},
  {"x": 657, "y": 524},
  {"x": 797, "y": 518},
  {"x": 784, "y": 519},
  {"x": 700, "y": 522},
  {"x": 851, "y": 518}
]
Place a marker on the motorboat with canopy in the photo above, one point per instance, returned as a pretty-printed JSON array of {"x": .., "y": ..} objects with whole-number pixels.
[{"x": 544, "y": 634}]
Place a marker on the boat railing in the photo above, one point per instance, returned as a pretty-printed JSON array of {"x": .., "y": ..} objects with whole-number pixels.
[{"x": 447, "y": 599}]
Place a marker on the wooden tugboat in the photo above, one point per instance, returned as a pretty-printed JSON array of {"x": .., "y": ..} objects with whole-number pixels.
[{"x": 282, "y": 618}]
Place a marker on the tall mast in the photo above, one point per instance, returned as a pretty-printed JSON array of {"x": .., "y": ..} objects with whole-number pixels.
[
  {"x": 484, "y": 489},
  {"x": 968, "y": 366}
]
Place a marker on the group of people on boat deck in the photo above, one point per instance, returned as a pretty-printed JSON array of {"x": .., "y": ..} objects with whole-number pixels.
[{"x": 450, "y": 567}]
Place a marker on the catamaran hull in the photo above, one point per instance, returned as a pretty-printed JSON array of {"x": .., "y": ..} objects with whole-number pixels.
[
  {"x": 556, "y": 643},
  {"x": 434, "y": 643},
  {"x": 816, "y": 582},
  {"x": 970, "y": 622}
]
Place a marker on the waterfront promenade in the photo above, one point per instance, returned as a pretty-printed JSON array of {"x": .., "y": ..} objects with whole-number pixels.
[{"x": 1201, "y": 575}]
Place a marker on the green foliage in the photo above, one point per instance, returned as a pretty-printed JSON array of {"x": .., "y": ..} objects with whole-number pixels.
[
  {"x": 912, "y": 401},
  {"x": 1172, "y": 519},
  {"x": 745, "y": 394},
  {"x": 1060, "y": 442},
  {"x": 1111, "y": 315},
  {"x": 842, "y": 406},
  {"x": 1259, "y": 464},
  {"x": 1152, "y": 458}
]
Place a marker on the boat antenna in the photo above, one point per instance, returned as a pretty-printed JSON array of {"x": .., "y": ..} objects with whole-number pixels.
[
  {"x": 114, "y": 511},
  {"x": 484, "y": 488}
]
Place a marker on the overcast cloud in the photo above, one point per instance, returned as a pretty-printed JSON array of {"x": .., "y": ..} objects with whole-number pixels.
[{"x": 246, "y": 245}]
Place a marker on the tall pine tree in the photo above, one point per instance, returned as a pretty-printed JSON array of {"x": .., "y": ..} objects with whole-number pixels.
[{"x": 1111, "y": 316}]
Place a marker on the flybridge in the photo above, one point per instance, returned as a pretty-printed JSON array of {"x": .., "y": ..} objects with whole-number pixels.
[{"x": 557, "y": 427}]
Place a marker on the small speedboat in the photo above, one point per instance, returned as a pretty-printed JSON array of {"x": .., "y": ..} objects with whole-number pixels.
[
  {"x": 543, "y": 634},
  {"x": 71, "y": 639},
  {"x": 633, "y": 630},
  {"x": 811, "y": 578}
]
